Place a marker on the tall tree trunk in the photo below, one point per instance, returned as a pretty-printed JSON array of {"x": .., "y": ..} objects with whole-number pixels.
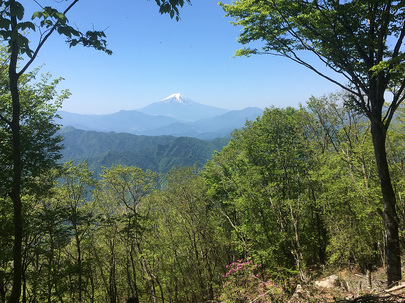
[
  {"x": 392, "y": 247},
  {"x": 15, "y": 193},
  {"x": 135, "y": 285},
  {"x": 79, "y": 264}
]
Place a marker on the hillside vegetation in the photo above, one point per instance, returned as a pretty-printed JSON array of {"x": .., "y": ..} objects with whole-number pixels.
[
  {"x": 157, "y": 153},
  {"x": 293, "y": 192}
]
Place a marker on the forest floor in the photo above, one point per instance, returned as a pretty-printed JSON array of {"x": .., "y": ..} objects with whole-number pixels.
[{"x": 349, "y": 286}]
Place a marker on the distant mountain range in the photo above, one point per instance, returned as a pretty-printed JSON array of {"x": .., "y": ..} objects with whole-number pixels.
[
  {"x": 157, "y": 153},
  {"x": 182, "y": 109},
  {"x": 175, "y": 115}
]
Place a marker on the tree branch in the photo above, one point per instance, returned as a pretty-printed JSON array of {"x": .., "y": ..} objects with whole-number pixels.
[
  {"x": 42, "y": 42},
  {"x": 8, "y": 122}
]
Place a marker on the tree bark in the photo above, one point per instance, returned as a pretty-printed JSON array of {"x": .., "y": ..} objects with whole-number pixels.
[
  {"x": 15, "y": 193},
  {"x": 392, "y": 247}
]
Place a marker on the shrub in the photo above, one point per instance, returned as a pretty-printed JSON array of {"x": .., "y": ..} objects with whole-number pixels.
[{"x": 243, "y": 284}]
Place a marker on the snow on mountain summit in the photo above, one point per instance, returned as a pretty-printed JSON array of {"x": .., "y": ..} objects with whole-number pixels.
[
  {"x": 182, "y": 108},
  {"x": 177, "y": 98}
]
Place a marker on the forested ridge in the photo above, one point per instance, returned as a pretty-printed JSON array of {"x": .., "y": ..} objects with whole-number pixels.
[
  {"x": 157, "y": 153},
  {"x": 294, "y": 189}
]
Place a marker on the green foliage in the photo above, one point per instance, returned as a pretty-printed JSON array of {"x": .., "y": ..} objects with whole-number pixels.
[
  {"x": 157, "y": 153},
  {"x": 127, "y": 186},
  {"x": 29, "y": 147},
  {"x": 348, "y": 181},
  {"x": 244, "y": 284},
  {"x": 40, "y": 144},
  {"x": 189, "y": 249},
  {"x": 397, "y": 160},
  {"x": 295, "y": 188},
  {"x": 301, "y": 187},
  {"x": 121, "y": 194},
  {"x": 75, "y": 183},
  {"x": 263, "y": 174},
  {"x": 346, "y": 36},
  {"x": 361, "y": 41},
  {"x": 171, "y": 7}
]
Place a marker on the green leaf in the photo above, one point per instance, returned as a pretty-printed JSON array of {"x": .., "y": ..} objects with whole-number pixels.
[
  {"x": 61, "y": 17},
  {"x": 37, "y": 14},
  {"x": 65, "y": 30},
  {"x": 17, "y": 10},
  {"x": 25, "y": 25},
  {"x": 4, "y": 23},
  {"x": 46, "y": 23}
]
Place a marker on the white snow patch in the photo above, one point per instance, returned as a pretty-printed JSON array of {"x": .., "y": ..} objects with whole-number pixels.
[{"x": 179, "y": 98}]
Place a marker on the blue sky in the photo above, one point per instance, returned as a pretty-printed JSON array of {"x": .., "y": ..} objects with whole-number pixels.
[{"x": 155, "y": 56}]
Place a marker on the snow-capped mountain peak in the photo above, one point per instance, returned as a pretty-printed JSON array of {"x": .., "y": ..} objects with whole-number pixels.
[
  {"x": 182, "y": 108},
  {"x": 177, "y": 98}
]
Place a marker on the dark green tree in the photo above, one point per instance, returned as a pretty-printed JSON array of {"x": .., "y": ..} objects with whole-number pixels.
[{"x": 361, "y": 42}]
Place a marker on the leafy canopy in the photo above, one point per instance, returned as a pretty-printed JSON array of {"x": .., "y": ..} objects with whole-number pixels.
[
  {"x": 41, "y": 144},
  {"x": 359, "y": 40}
]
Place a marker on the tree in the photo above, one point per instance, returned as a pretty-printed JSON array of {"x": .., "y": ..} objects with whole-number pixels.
[
  {"x": 40, "y": 143},
  {"x": 189, "y": 246},
  {"x": 76, "y": 181},
  {"x": 262, "y": 181},
  {"x": 126, "y": 187},
  {"x": 347, "y": 183},
  {"x": 13, "y": 30},
  {"x": 361, "y": 41}
]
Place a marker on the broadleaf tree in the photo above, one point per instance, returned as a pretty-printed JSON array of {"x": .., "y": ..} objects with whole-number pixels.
[
  {"x": 14, "y": 30},
  {"x": 361, "y": 44},
  {"x": 40, "y": 150}
]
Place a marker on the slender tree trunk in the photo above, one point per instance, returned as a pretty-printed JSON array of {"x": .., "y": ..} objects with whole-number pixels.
[
  {"x": 15, "y": 193},
  {"x": 79, "y": 264},
  {"x": 392, "y": 247},
  {"x": 131, "y": 252},
  {"x": 112, "y": 277},
  {"x": 24, "y": 287}
]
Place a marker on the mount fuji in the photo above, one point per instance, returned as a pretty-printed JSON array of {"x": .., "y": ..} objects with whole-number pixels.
[
  {"x": 182, "y": 108},
  {"x": 175, "y": 115}
]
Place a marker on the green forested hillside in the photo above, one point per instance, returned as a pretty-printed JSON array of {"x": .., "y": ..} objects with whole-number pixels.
[
  {"x": 294, "y": 192},
  {"x": 157, "y": 153}
]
